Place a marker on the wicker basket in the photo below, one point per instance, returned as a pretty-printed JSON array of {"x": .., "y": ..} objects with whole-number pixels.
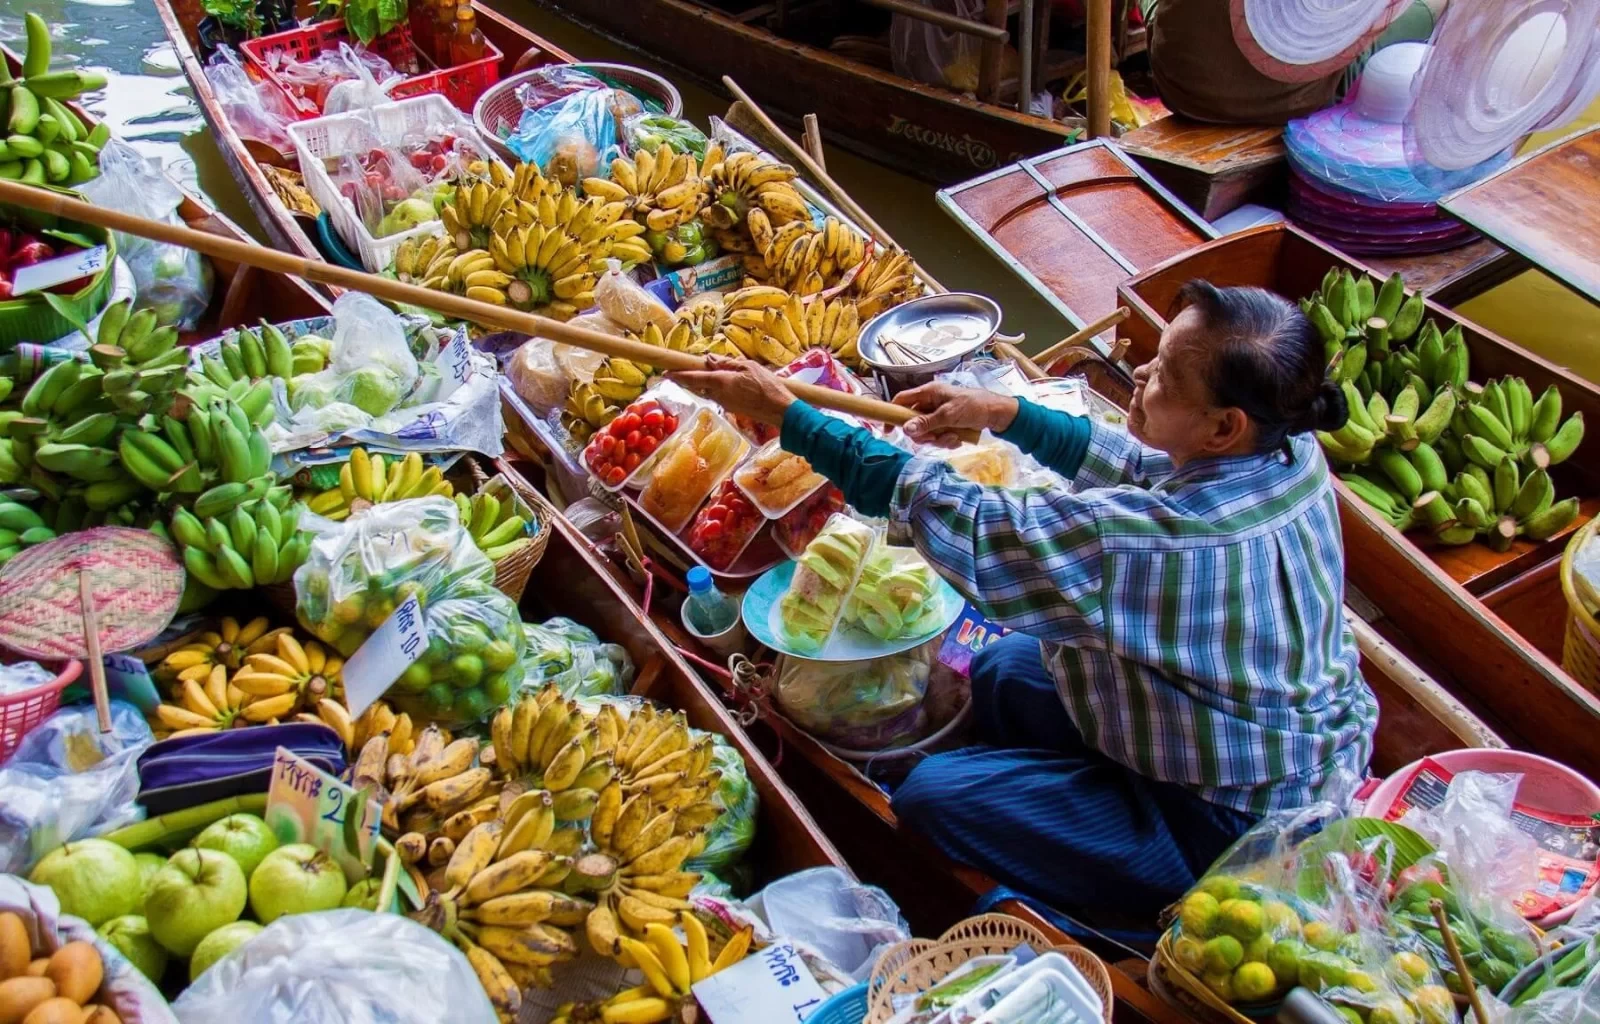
[
  {"x": 1580, "y": 649},
  {"x": 499, "y": 111},
  {"x": 911, "y": 967},
  {"x": 1184, "y": 990},
  {"x": 511, "y": 573}
]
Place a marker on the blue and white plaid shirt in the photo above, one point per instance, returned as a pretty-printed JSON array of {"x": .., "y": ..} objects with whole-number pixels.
[{"x": 1193, "y": 618}]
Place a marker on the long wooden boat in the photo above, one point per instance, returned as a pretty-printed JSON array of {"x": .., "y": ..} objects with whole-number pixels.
[
  {"x": 1448, "y": 601},
  {"x": 926, "y": 131},
  {"x": 240, "y": 295},
  {"x": 288, "y": 231}
]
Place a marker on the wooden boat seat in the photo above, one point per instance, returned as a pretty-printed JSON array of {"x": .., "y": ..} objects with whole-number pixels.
[{"x": 1213, "y": 168}]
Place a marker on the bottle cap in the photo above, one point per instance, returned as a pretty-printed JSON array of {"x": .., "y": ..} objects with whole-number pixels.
[{"x": 699, "y": 579}]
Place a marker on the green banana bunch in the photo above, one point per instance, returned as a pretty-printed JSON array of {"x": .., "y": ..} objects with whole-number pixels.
[
  {"x": 249, "y": 355},
  {"x": 1383, "y": 498},
  {"x": 1501, "y": 504},
  {"x": 1502, "y": 418},
  {"x": 255, "y": 543},
  {"x": 20, "y": 527},
  {"x": 136, "y": 341},
  {"x": 496, "y": 526},
  {"x": 43, "y": 140}
]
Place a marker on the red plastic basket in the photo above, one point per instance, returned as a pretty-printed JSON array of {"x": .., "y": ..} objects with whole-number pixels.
[
  {"x": 461, "y": 85},
  {"x": 20, "y": 712}
]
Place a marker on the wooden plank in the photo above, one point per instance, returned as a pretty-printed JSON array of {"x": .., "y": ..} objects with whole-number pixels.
[
  {"x": 992, "y": 55},
  {"x": 1456, "y": 275},
  {"x": 1097, "y": 30},
  {"x": 1213, "y": 168},
  {"x": 1545, "y": 207},
  {"x": 1534, "y": 606}
]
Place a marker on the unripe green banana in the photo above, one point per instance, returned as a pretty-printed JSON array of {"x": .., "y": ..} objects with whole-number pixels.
[
  {"x": 1565, "y": 441},
  {"x": 189, "y": 531},
  {"x": 1535, "y": 495},
  {"x": 264, "y": 557},
  {"x": 1489, "y": 426},
  {"x": 203, "y": 568},
  {"x": 1429, "y": 467},
  {"x": 1507, "y": 483},
  {"x": 1546, "y": 415},
  {"x": 1482, "y": 452},
  {"x": 1469, "y": 485},
  {"x": 112, "y": 321},
  {"x": 1374, "y": 494},
  {"x": 1400, "y": 472},
  {"x": 1471, "y": 512},
  {"x": 1409, "y": 317},
  {"x": 1552, "y": 520}
]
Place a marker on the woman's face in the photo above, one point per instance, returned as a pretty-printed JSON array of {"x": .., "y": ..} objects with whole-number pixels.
[{"x": 1172, "y": 407}]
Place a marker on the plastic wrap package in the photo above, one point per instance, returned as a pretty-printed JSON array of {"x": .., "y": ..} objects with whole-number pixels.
[
  {"x": 339, "y": 967},
  {"x": 898, "y": 595},
  {"x": 256, "y": 110},
  {"x": 625, "y": 302},
  {"x": 570, "y": 655},
  {"x": 66, "y": 780},
  {"x": 340, "y": 78},
  {"x": 729, "y": 836},
  {"x": 123, "y": 989},
  {"x": 846, "y": 922},
  {"x": 359, "y": 571},
  {"x": 928, "y": 53},
  {"x": 370, "y": 365},
  {"x": 859, "y": 705},
  {"x": 825, "y": 575},
  {"x": 541, "y": 371},
  {"x": 573, "y": 136},
  {"x": 1484, "y": 865},
  {"x": 173, "y": 281},
  {"x": 1299, "y": 899},
  {"x": 648, "y": 131},
  {"x": 1579, "y": 1004},
  {"x": 1559, "y": 977}
]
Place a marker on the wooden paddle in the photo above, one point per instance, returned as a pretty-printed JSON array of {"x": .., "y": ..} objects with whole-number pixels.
[{"x": 458, "y": 306}]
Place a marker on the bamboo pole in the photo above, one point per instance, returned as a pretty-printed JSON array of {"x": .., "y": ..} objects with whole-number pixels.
[
  {"x": 457, "y": 306},
  {"x": 934, "y": 16},
  {"x": 1097, "y": 29},
  {"x": 811, "y": 138},
  {"x": 1083, "y": 334}
]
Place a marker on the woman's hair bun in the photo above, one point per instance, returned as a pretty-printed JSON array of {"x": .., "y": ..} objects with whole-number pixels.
[{"x": 1329, "y": 410}]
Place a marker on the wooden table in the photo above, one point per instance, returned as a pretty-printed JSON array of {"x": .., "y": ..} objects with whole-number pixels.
[{"x": 1545, "y": 207}]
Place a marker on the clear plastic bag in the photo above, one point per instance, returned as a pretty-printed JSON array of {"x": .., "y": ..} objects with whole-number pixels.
[
  {"x": 173, "y": 281},
  {"x": 256, "y": 110},
  {"x": 123, "y": 989},
  {"x": 823, "y": 579},
  {"x": 360, "y": 570},
  {"x": 925, "y": 52},
  {"x": 537, "y": 376},
  {"x": 825, "y": 909},
  {"x": 649, "y": 131},
  {"x": 860, "y": 705},
  {"x": 622, "y": 299},
  {"x": 66, "y": 780},
  {"x": 729, "y": 836},
  {"x": 370, "y": 365},
  {"x": 897, "y": 596},
  {"x": 572, "y": 657},
  {"x": 571, "y": 137},
  {"x": 339, "y": 967},
  {"x": 321, "y": 77}
]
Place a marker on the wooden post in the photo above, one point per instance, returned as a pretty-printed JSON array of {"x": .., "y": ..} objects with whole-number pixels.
[
  {"x": 991, "y": 60},
  {"x": 811, "y": 139},
  {"x": 1098, "y": 33}
]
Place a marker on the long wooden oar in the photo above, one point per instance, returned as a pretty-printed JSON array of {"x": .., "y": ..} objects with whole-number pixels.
[{"x": 458, "y": 306}]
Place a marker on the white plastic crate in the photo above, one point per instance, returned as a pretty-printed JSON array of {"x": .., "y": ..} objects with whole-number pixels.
[{"x": 356, "y": 132}]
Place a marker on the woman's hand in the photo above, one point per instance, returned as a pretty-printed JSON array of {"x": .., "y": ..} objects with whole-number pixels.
[
  {"x": 739, "y": 386},
  {"x": 946, "y": 409}
]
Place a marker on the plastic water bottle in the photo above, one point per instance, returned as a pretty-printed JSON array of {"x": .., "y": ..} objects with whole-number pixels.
[{"x": 709, "y": 612}]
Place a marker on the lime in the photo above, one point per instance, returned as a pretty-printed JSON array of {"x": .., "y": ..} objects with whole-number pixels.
[
  {"x": 1284, "y": 959},
  {"x": 350, "y": 610},
  {"x": 1223, "y": 954},
  {"x": 1409, "y": 970},
  {"x": 498, "y": 688},
  {"x": 470, "y": 636},
  {"x": 1221, "y": 984},
  {"x": 1321, "y": 970},
  {"x": 1434, "y": 1005},
  {"x": 1219, "y": 887},
  {"x": 408, "y": 588},
  {"x": 1322, "y": 935},
  {"x": 1391, "y": 1010},
  {"x": 499, "y": 655},
  {"x": 1361, "y": 981},
  {"x": 1351, "y": 1014},
  {"x": 1254, "y": 982},
  {"x": 1198, "y": 915},
  {"x": 1190, "y": 953},
  {"x": 439, "y": 697},
  {"x": 439, "y": 651},
  {"x": 415, "y": 678},
  {"x": 473, "y": 703},
  {"x": 1281, "y": 920},
  {"x": 466, "y": 669},
  {"x": 1240, "y": 918},
  {"x": 1256, "y": 949},
  {"x": 350, "y": 641}
]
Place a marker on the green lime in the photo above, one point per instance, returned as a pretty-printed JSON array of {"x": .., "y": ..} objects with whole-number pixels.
[
  {"x": 439, "y": 698},
  {"x": 498, "y": 688},
  {"x": 1223, "y": 954},
  {"x": 415, "y": 678},
  {"x": 1409, "y": 970},
  {"x": 1242, "y": 919},
  {"x": 473, "y": 704},
  {"x": 1190, "y": 953},
  {"x": 1219, "y": 887},
  {"x": 1281, "y": 920},
  {"x": 1322, "y": 935},
  {"x": 499, "y": 655},
  {"x": 1256, "y": 949},
  {"x": 466, "y": 669},
  {"x": 1198, "y": 915},
  {"x": 1392, "y": 1010},
  {"x": 378, "y": 611},
  {"x": 439, "y": 651},
  {"x": 1254, "y": 982},
  {"x": 1284, "y": 959}
]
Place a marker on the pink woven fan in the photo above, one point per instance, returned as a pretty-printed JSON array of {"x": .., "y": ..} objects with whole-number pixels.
[{"x": 106, "y": 589}]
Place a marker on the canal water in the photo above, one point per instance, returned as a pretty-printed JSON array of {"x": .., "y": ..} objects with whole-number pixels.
[{"x": 149, "y": 102}]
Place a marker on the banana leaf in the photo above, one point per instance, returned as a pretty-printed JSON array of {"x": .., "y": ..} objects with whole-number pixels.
[{"x": 1348, "y": 835}]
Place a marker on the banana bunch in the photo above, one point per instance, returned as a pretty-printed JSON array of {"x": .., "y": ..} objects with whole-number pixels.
[
  {"x": 291, "y": 678},
  {"x": 744, "y": 181},
  {"x": 637, "y": 876},
  {"x": 137, "y": 341},
  {"x": 20, "y": 527},
  {"x": 1502, "y": 418},
  {"x": 255, "y": 544},
  {"x": 884, "y": 281},
  {"x": 671, "y": 968},
  {"x": 251, "y": 354},
  {"x": 802, "y": 258},
  {"x": 779, "y": 332},
  {"x": 622, "y": 380},
  {"x": 546, "y": 743},
  {"x": 228, "y": 645},
  {"x": 1359, "y": 319},
  {"x": 205, "y": 705},
  {"x": 44, "y": 140},
  {"x": 657, "y": 752},
  {"x": 496, "y": 526},
  {"x": 414, "y": 256},
  {"x": 1375, "y": 423},
  {"x": 215, "y": 453},
  {"x": 586, "y": 410},
  {"x": 371, "y": 479},
  {"x": 660, "y": 190},
  {"x": 378, "y": 718},
  {"x": 425, "y": 787}
]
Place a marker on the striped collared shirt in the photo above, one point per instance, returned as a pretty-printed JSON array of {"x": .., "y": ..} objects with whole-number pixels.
[{"x": 1192, "y": 618}]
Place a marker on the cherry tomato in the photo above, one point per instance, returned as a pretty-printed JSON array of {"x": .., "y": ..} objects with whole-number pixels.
[
  {"x": 631, "y": 463},
  {"x": 712, "y": 530},
  {"x": 615, "y": 475},
  {"x": 654, "y": 418},
  {"x": 625, "y": 423},
  {"x": 632, "y": 440},
  {"x": 647, "y": 444},
  {"x": 606, "y": 443}
]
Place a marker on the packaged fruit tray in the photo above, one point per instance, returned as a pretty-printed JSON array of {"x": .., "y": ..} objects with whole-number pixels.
[
  {"x": 776, "y": 481},
  {"x": 355, "y": 133},
  {"x": 759, "y": 554},
  {"x": 621, "y": 450},
  {"x": 689, "y": 467},
  {"x": 802, "y": 523}
]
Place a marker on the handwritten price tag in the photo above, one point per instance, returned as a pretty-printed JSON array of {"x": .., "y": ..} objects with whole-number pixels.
[
  {"x": 307, "y": 805},
  {"x": 455, "y": 365},
  {"x": 771, "y": 986},
  {"x": 49, "y": 273},
  {"x": 389, "y": 651}
]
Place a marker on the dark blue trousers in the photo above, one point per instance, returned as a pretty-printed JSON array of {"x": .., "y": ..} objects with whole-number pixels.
[{"x": 1040, "y": 811}]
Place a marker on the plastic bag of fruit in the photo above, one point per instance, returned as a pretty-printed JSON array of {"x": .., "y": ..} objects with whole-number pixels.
[
  {"x": 626, "y": 302},
  {"x": 824, "y": 576},
  {"x": 898, "y": 595},
  {"x": 570, "y": 655},
  {"x": 860, "y": 705},
  {"x": 570, "y": 138},
  {"x": 315, "y": 79},
  {"x": 359, "y": 571},
  {"x": 730, "y": 834},
  {"x": 170, "y": 279},
  {"x": 649, "y": 131},
  {"x": 370, "y": 365}
]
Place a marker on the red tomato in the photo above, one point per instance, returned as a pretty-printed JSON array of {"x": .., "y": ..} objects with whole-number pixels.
[
  {"x": 615, "y": 475},
  {"x": 606, "y": 443},
  {"x": 647, "y": 444},
  {"x": 632, "y": 440},
  {"x": 711, "y": 530},
  {"x": 626, "y": 423},
  {"x": 648, "y": 405},
  {"x": 715, "y": 513},
  {"x": 631, "y": 463},
  {"x": 669, "y": 423},
  {"x": 653, "y": 419}
]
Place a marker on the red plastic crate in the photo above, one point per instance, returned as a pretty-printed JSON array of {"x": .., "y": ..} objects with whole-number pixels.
[{"x": 461, "y": 85}]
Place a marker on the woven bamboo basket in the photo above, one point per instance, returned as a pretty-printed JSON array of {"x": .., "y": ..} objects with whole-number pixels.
[
  {"x": 1580, "y": 648},
  {"x": 1185, "y": 990},
  {"x": 511, "y": 573},
  {"x": 909, "y": 968}
]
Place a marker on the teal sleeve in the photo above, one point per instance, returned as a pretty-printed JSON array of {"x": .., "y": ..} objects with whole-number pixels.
[
  {"x": 863, "y": 467},
  {"x": 1058, "y": 440}
]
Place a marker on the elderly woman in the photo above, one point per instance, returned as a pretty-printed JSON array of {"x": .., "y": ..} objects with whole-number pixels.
[{"x": 1181, "y": 663}]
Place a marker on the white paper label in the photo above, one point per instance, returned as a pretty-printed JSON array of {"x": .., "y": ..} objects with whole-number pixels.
[
  {"x": 389, "y": 651},
  {"x": 455, "y": 365},
  {"x": 771, "y": 986},
  {"x": 49, "y": 273}
]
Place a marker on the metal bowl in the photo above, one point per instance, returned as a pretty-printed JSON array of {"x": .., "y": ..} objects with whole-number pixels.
[{"x": 915, "y": 340}]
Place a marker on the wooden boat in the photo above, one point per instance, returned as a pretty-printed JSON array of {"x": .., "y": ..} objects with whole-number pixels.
[
  {"x": 288, "y": 231},
  {"x": 241, "y": 295},
  {"x": 923, "y": 130},
  {"x": 1447, "y": 601}
]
